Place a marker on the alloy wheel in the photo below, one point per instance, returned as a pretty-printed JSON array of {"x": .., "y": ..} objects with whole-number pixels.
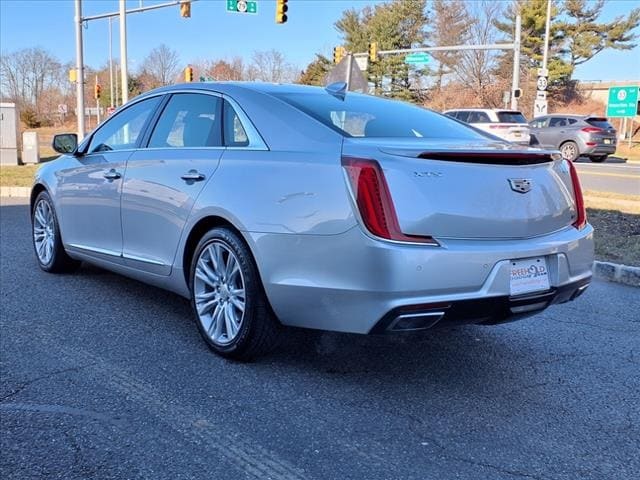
[
  {"x": 219, "y": 293},
  {"x": 44, "y": 231}
]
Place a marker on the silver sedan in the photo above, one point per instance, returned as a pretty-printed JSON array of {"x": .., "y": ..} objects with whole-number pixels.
[{"x": 270, "y": 205}]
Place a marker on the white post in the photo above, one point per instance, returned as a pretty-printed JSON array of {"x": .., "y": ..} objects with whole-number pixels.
[
  {"x": 547, "y": 27},
  {"x": 349, "y": 66},
  {"x": 111, "y": 62},
  {"x": 97, "y": 105},
  {"x": 79, "y": 71},
  {"x": 516, "y": 63},
  {"x": 123, "y": 51}
]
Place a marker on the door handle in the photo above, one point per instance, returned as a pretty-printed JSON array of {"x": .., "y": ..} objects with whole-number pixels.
[
  {"x": 111, "y": 175},
  {"x": 192, "y": 176}
]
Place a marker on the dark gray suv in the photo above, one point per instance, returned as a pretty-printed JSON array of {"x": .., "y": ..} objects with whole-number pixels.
[{"x": 575, "y": 136}]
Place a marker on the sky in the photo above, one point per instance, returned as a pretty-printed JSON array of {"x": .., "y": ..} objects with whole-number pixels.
[{"x": 211, "y": 32}]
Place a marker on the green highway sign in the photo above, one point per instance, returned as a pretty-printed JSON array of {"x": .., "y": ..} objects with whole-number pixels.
[
  {"x": 242, "y": 6},
  {"x": 418, "y": 58},
  {"x": 623, "y": 101}
]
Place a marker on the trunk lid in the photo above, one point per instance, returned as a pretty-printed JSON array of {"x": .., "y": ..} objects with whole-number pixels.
[{"x": 486, "y": 190}]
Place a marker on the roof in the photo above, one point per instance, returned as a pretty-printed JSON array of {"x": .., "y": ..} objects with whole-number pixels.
[{"x": 264, "y": 87}]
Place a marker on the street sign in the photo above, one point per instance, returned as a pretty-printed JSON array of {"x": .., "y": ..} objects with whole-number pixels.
[
  {"x": 242, "y": 6},
  {"x": 623, "y": 101},
  {"x": 62, "y": 109},
  {"x": 543, "y": 72},
  {"x": 541, "y": 95},
  {"x": 539, "y": 107},
  {"x": 542, "y": 83},
  {"x": 418, "y": 58},
  {"x": 362, "y": 62}
]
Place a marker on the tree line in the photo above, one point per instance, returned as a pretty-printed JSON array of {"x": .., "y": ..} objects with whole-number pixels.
[{"x": 37, "y": 81}]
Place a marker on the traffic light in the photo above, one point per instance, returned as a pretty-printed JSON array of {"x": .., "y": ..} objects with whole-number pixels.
[
  {"x": 97, "y": 91},
  {"x": 185, "y": 9},
  {"x": 281, "y": 10},
  {"x": 188, "y": 74},
  {"x": 338, "y": 54},
  {"x": 373, "y": 52}
]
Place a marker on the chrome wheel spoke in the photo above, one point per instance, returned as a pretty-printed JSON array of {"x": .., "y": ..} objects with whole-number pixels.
[
  {"x": 219, "y": 292},
  {"x": 43, "y": 231}
]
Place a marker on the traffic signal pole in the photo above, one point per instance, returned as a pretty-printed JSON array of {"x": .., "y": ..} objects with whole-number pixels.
[
  {"x": 124, "y": 79},
  {"x": 79, "y": 70}
]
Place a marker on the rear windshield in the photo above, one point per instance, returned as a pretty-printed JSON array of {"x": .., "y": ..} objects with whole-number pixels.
[
  {"x": 600, "y": 123},
  {"x": 358, "y": 115},
  {"x": 511, "y": 117}
]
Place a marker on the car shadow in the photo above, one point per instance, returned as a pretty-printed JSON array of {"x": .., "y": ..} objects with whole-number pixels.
[{"x": 611, "y": 159}]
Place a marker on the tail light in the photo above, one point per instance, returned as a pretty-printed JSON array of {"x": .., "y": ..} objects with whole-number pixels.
[
  {"x": 373, "y": 199},
  {"x": 591, "y": 129},
  {"x": 581, "y": 212}
]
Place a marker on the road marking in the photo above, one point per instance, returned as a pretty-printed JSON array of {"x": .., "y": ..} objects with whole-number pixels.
[{"x": 602, "y": 174}]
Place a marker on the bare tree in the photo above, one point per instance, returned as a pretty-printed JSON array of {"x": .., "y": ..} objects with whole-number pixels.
[
  {"x": 271, "y": 66},
  {"x": 451, "y": 26},
  {"x": 160, "y": 67},
  {"x": 26, "y": 74},
  {"x": 221, "y": 70},
  {"x": 475, "y": 68}
]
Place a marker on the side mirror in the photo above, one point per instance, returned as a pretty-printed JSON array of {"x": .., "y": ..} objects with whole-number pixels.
[{"x": 65, "y": 142}]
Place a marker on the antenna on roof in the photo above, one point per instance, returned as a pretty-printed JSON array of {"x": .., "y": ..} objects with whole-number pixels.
[{"x": 337, "y": 89}]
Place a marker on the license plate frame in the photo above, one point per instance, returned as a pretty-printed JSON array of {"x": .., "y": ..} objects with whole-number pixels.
[
  {"x": 607, "y": 141},
  {"x": 528, "y": 275}
]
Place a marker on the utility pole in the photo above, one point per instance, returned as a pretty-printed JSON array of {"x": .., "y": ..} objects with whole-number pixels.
[
  {"x": 349, "y": 66},
  {"x": 97, "y": 90},
  {"x": 79, "y": 71},
  {"x": 111, "y": 62},
  {"x": 515, "y": 83},
  {"x": 547, "y": 27},
  {"x": 123, "y": 52}
]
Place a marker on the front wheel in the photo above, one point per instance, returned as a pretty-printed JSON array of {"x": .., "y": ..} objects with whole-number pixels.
[
  {"x": 231, "y": 308},
  {"x": 569, "y": 151},
  {"x": 47, "y": 241},
  {"x": 599, "y": 159}
]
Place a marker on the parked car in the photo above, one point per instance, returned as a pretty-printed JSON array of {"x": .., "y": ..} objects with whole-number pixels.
[
  {"x": 575, "y": 136},
  {"x": 509, "y": 125},
  {"x": 270, "y": 205}
]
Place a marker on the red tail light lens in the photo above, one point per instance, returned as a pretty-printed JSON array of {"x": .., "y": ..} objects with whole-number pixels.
[
  {"x": 591, "y": 129},
  {"x": 374, "y": 202},
  {"x": 581, "y": 212}
]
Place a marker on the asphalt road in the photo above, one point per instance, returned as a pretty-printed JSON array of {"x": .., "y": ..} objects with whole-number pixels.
[
  {"x": 610, "y": 176},
  {"x": 103, "y": 377}
]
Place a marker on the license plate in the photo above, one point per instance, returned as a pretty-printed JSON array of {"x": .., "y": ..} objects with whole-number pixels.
[
  {"x": 517, "y": 134},
  {"x": 528, "y": 275},
  {"x": 607, "y": 141}
]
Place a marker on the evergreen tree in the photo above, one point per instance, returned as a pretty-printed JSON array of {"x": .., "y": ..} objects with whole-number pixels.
[{"x": 316, "y": 71}]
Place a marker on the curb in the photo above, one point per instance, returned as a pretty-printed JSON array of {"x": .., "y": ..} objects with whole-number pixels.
[
  {"x": 15, "y": 192},
  {"x": 613, "y": 272}
]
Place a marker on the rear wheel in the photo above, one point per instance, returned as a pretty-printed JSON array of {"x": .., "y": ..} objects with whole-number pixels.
[
  {"x": 569, "y": 151},
  {"x": 599, "y": 159},
  {"x": 231, "y": 308},
  {"x": 47, "y": 242}
]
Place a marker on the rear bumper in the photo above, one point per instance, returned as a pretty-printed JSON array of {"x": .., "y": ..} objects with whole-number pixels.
[
  {"x": 485, "y": 311},
  {"x": 349, "y": 282},
  {"x": 599, "y": 149}
]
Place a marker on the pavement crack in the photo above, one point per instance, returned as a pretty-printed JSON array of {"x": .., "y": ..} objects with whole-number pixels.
[{"x": 46, "y": 376}]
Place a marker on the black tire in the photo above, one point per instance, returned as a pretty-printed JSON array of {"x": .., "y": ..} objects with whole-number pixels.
[
  {"x": 59, "y": 262},
  {"x": 570, "y": 151},
  {"x": 259, "y": 329},
  {"x": 599, "y": 159}
]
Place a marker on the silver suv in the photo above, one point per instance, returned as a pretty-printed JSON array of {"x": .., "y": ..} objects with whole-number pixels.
[{"x": 575, "y": 136}]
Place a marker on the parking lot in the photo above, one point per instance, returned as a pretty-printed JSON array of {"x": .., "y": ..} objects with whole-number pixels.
[{"x": 104, "y": 377}]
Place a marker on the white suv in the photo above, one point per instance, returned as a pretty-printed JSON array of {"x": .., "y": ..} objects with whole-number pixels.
[{"x": 509, "y": 125}]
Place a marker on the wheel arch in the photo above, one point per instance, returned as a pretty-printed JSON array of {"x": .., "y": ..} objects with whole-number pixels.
[{"x": 35, "y": 191}]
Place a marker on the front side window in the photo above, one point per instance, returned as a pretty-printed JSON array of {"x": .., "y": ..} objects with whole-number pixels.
[
  {"x": 358, "y": 115},
  {"x": 189, "y": 120},
  {"x": 121, "y": 132}
]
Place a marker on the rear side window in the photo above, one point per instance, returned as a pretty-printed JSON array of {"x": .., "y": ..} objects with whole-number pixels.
[
  {"x": 478, "y": 117},
  {"x": 189, "y": 120},
  {"x": 511, "y": 117},
  {"x": 462, "y": 116},
  {"x": 600, "y": 123},
  {"x": 234, "y": 133},
  {"x": 358, "y": 115},
  {"x": 572, "y": 121},
  {"x": 558, "y": 122}
]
